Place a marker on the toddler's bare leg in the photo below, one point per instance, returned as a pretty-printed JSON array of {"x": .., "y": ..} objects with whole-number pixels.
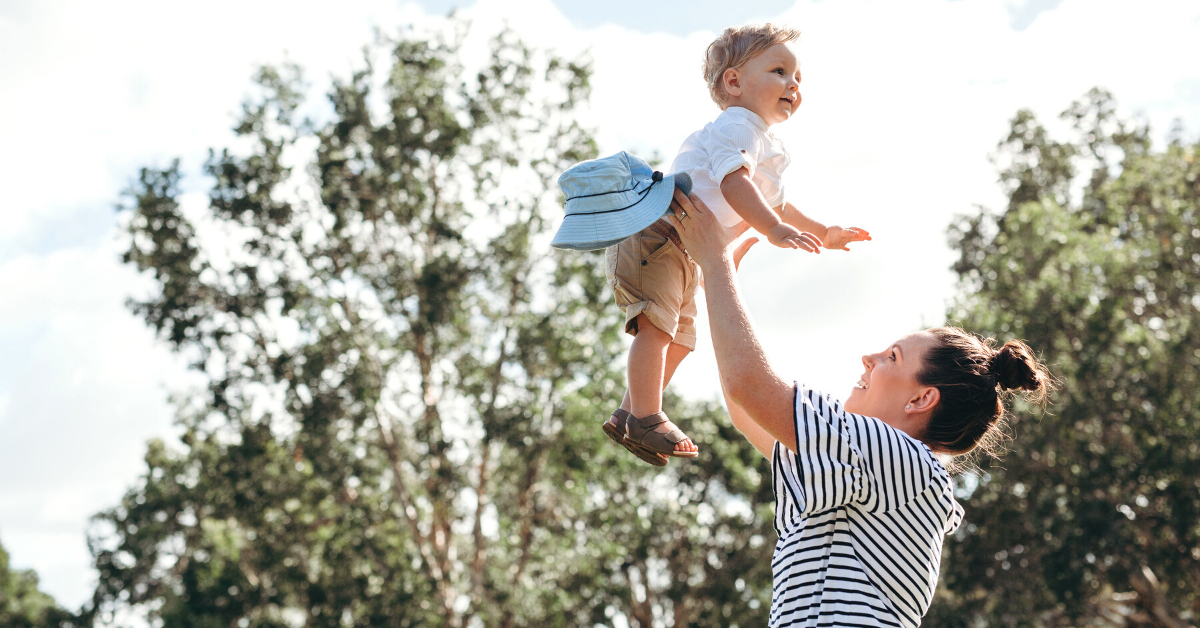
[
  {"x": 675, "y": 355},
  {"x": 647, "y": 362},
  {"x": 653, "y": 359}
]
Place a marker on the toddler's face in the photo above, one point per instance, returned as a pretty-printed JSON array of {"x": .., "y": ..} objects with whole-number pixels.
[{"x": 768, "y": 85}]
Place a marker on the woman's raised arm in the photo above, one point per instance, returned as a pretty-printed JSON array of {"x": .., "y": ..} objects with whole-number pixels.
[{"x": 746, "y": 373}]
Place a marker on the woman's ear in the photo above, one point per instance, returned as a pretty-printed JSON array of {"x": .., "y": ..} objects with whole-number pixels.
[
  {"x": 732, "y": 80},
  {"x": 925, "y": 400}
]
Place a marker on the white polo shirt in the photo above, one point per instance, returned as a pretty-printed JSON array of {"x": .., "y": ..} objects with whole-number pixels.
[{"x": 737, "y": 138}]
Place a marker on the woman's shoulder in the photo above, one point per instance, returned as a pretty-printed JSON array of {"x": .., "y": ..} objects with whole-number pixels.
[
  {"x": 876, "y": 441},
  {"x": 843, "y": 458}
]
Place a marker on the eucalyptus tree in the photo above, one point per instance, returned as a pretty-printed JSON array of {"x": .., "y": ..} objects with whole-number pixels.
[
  {"x": 404, "y": 382},
  {"x": 1094, "y": 516},
  {"x": 22, "y": 605}
]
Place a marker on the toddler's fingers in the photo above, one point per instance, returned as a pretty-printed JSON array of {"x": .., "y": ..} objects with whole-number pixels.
[{"x": 803, "y": 243}]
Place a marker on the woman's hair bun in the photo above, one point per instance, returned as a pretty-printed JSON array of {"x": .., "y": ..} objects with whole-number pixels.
[{"x": 1015, "y": 367}]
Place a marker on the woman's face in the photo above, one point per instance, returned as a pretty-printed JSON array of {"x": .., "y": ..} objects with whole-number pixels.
[{"x": 889, "y": 383}]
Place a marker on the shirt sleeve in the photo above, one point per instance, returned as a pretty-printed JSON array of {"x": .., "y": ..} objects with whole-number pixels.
[
  {"x": 733, "y": 146},
  {"x": 844, "y": 458}
]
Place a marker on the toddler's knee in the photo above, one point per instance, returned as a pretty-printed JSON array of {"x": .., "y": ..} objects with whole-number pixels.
[{"x": 646, "y": 331}]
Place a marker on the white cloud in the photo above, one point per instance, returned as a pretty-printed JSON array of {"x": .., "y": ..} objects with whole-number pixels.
[
  {"x": 84, "y": 385},
  {"x": 902, "y": 104}
]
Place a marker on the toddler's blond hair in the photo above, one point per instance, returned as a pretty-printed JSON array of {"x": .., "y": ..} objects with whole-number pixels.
[{"x": 736, "y": 46}]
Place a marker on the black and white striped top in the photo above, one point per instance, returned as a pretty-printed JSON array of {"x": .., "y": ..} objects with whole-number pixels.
[{"x": 861, "y": 511}]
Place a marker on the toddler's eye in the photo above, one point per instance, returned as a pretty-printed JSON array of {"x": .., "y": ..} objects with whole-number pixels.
[{"x": 779, "y": 71}]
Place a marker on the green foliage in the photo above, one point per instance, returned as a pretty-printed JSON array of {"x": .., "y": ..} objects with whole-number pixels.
[
  {"x": 406, "y": 384},
  {"x": 22, "y": 605},
  {"x": 1105, "y": 282}
]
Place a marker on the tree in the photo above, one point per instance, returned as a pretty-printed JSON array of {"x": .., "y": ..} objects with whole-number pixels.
[
  {"x": 1094, "y": 515},
  {"x": 405, "y": 383},
  {"x": 22, "y": 605}
]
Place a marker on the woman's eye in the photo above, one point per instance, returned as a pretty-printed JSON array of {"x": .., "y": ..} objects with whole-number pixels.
[{"x": 893, "y": 355}]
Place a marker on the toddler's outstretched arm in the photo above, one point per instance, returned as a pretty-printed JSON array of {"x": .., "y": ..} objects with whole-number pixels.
[
  {"x": 746, "y": 199},
  {"x": 832, "y": 237}
]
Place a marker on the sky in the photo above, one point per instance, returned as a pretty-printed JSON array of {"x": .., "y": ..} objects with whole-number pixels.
[{"x": 904, "y": 101}]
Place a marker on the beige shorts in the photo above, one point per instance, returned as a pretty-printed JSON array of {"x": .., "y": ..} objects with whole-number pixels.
[{"x": 650, "y": 275}]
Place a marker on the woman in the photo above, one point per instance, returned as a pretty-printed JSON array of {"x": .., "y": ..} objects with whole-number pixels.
[{"x": 862, "y": 503}]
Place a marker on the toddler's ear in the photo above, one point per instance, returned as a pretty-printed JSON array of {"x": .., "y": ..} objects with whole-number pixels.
[{"x": 732, "y": 81}]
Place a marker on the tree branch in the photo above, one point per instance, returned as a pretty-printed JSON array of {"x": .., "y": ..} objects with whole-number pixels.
[
  {"x": 441, "y": 585},
  {"x": 1154, "y": 600},
  {"x": 525, "y": 510}
]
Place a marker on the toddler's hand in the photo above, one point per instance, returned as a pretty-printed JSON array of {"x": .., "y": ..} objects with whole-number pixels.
[
  {"x": 786, "y": 236},
  {"x": 837, "y": 237}
]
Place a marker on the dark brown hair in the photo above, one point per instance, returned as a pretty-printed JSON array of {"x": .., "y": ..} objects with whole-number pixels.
[{"x": 973, "y": 378}]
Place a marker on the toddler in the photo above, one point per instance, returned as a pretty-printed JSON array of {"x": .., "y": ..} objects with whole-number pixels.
[{"x": 735, "y": 164}]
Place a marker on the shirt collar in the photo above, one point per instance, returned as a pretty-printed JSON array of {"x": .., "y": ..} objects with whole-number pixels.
[{"x": 742, "y": 113}]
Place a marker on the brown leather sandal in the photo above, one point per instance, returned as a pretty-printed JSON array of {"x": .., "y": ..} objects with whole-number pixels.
[
  {"x": 615, "y": 430},
  {"x": 640, "y": 432}
]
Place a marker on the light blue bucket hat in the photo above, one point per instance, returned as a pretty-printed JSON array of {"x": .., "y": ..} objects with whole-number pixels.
[{"x": 612, "y": 198}]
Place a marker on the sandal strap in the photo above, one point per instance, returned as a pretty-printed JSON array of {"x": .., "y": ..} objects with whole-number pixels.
[
  {"x": 641, "y": 431},
  {"x": 651, "y": 421},
  {"x": 676, "y": 436}
]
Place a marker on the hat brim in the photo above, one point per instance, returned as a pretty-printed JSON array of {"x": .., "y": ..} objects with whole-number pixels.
[{"x": 588, "y": 232}]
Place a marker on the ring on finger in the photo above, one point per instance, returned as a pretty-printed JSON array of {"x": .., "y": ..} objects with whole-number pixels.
[{"x": 682, "y": 214}]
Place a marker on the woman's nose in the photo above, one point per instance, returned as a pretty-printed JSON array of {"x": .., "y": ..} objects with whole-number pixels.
[{"x": 868, "y": 361}]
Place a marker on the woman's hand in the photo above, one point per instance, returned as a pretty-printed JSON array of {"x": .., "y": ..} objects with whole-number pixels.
[
  {"x": 704, "y": 237},
  {"x": 740, "y": 251}
]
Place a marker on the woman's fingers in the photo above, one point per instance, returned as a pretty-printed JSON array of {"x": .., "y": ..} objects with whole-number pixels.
[
  {"x": 681, "y": 203},
  {"x": 740, "y": 251}
]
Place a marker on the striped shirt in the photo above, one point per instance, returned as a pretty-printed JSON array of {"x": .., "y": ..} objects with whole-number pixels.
[{"x": 861, "y": 511}]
